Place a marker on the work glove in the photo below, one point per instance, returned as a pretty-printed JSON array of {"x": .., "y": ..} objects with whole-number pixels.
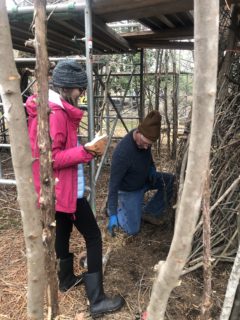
[
  {"x": 97, "y": 146},
  {"x": 112, "y": 225},
  {"x": 152, "y": 176}
]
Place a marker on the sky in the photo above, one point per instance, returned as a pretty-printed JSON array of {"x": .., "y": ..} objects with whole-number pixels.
[{"x": 9, "y": 3}]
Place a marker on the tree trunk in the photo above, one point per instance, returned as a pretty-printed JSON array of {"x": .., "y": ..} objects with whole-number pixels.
[
  {"x": 206, "y": 16},
  {"x": 235, "y": 314},
  {"x": 207, "y": 268},
  {"x": 159, "y": 54},
  {"x": 47, "y": 199},
  {"x": 175, "y": 107},
  {"x": 231, "y": 289},
  {"x": 158, "y": 72},
  {"x": 22, "y": 163},
  {"x": 225, "y": 69},
  {"x": 105, "y": 104},
  {"x": 168, "y": 126}
]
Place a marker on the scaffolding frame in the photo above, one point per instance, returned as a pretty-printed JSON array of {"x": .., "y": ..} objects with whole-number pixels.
[{"x": 20, "y": 62}]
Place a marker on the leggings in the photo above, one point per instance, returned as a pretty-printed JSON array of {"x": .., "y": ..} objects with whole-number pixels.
[{"x": 86, "y": 224}]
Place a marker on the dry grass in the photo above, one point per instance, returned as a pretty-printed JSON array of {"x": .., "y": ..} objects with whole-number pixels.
[{"x": 129, "y": 270}]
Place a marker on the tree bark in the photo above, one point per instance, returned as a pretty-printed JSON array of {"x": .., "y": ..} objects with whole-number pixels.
[
  {"x": 207, "y": 268},
  {"x": 225, "y": 69},
  {"x": 206, "y": 16},
  {"x": 22, "y": 163},
  {"x": 158, "y": 70},
  {"x": 168, "y": 125},
  {"x": 231, "y": 289},
  {"x": 47, "y": 199},
  {"x": 105, "y": 104},
  {"x": 235, "y": 314},
  {"x": 159, "y": 55},
  {"x": 174, "y": 107}
]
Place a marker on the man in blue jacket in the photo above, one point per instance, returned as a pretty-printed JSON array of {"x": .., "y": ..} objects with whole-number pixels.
[{"x": 132, "y": 174}]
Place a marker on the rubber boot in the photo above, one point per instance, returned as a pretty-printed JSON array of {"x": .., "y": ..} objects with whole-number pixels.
[
  {"x": 66, "y": 277},
  {"x": 99, "y": 302}
]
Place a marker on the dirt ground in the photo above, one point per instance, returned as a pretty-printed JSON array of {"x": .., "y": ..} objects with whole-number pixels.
[{"x": 129, "y": 269}]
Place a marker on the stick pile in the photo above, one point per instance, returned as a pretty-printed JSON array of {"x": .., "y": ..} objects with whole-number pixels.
[{"x": 224, "y": 164}]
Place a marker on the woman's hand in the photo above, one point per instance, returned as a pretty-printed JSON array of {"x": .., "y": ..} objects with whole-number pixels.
[{"x": 97, "y": 146}]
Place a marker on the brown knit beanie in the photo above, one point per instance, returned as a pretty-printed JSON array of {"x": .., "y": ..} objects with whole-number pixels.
[{"x": 150, "y": 127}]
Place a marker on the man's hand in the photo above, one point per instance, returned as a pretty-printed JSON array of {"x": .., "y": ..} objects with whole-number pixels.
[
  {"x": 112, "y": 224},
  {"x": 152, "y": 176}
]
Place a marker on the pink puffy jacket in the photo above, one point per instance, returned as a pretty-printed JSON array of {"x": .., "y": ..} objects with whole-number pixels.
[{"x": 63, "y": 122}]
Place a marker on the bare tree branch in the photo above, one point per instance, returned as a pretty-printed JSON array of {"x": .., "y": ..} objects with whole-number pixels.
[
  {"x": 207, "y": 269},
  {"x": 22, "y": 163},
  {"x": 206, "y": 17},
  {"x": 47, "y": 202},
  {"x": 231, "y": 288}
]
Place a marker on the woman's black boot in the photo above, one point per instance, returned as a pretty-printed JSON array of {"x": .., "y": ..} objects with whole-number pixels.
[
  {"x": 99, "y": 302},
  {"x": 66, "y": 277}
]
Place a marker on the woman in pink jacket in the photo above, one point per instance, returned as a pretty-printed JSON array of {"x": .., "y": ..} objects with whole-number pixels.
[{"x": 69, "y": 83}]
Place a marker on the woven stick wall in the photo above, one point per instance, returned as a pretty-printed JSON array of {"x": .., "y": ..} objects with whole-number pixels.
[{"x": 225, "y": 153}]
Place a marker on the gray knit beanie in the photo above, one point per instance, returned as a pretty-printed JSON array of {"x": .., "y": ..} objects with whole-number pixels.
[{"x": 69, "y": 74}]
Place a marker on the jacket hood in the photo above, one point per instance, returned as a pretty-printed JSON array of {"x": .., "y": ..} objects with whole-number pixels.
[
  {"x": 55, "y": 103},
  {"x": 31, "y": 106}
]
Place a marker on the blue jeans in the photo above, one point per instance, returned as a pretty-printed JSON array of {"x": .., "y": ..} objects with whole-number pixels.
[{"x": 130, "y": 204}]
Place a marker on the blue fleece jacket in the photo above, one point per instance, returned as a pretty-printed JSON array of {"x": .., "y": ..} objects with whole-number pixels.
[{"x": 129, "y": 169}]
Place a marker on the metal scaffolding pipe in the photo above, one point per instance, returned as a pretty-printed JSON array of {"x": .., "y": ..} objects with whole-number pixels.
[
  {"x": 8, "y": 181},
  {"x": 137, "y": 74},
  {"x": 114, "y": 117},
  {"x": 128, "y": 24},
  {"x": 5, "y": 145},
  {"x": 24, "y": 61},
  {"x": 1, "y": 104},
  {"x": 111, "y": 100},
  {"x": 112, "y": 131},
  {"x": 106, "y": 150},
  {"x": 71, "y": 7},
  {"x": 89, "y": 69}
]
